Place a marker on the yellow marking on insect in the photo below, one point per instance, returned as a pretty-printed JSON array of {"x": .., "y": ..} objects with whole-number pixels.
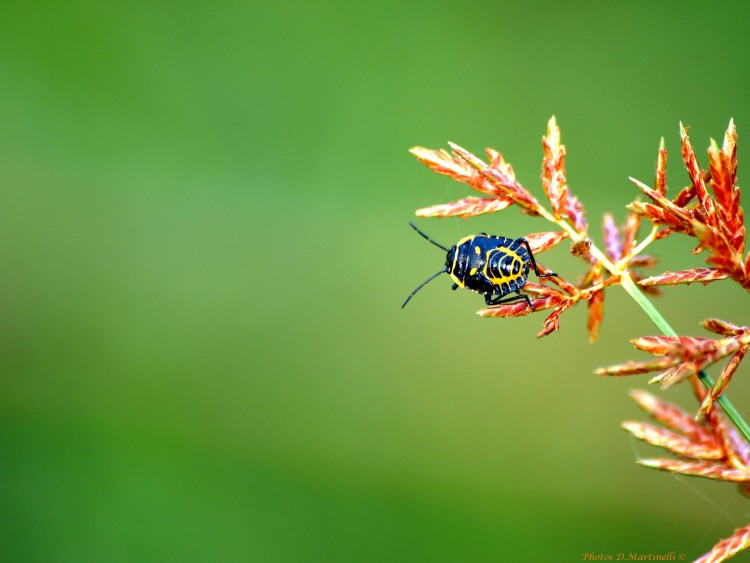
[
  {"x": 452, "y": 271},
  {"x": 472, "y": 271},
  {"x": 477, "y": 250}
]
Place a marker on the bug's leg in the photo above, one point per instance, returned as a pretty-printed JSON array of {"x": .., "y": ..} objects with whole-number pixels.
[
  {"x": 454, "y": 287},
  {"x": 533, "y": 262},
  {"x": 492, "y": 296},
  {"x": 501, "y": 301}
]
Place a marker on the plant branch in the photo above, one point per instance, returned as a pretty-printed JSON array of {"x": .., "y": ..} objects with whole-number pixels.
[
  {"x": 629, "y": 285},
  {"x": 619, "y": 270}
]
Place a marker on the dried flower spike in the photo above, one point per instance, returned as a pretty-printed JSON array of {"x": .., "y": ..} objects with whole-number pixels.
[
  {"x": 553, "y": 170},
  {"x": 682, "y": 357},
  {"x": 709, "y": 210},
  {"x": 717, "y": 221},
  {"x": 728, "y": 547},
  {"x": 708, "y": 449}
]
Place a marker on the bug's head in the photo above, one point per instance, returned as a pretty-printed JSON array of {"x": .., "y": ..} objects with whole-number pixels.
[
  {"x": 450, "y": 257},
  {"x": 448, "y": 262}
]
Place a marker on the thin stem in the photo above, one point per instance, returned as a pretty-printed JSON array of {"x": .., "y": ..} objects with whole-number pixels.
[{"x": 653, "y": 313}]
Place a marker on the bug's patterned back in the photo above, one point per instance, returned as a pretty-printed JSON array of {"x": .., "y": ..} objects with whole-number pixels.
[{"x": 487, "y": 263}]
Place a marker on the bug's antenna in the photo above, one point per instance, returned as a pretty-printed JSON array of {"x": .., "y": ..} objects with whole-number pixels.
[
  {"x": 421, "y": 285},
  {"x": 413, "y": 226}
]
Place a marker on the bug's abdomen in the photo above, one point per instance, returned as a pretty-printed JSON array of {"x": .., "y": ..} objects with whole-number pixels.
[
  {"x": 487, "y": 264},
  {"x": 502, "y": 265},
  {"x": 508, "y": 268}
]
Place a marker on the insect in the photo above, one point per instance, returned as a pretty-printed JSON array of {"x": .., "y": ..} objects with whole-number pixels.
[{"x": 491, "y": 265}]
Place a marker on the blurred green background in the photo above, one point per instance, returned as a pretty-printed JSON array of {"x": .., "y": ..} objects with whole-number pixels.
[{"x": 205, "y": 246}]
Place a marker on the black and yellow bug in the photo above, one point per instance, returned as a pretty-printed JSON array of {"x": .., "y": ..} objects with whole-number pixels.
[{"x": 491, "y": 265}]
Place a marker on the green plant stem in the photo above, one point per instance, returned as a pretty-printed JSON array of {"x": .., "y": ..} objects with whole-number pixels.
[{"x": 629, "y": 285}]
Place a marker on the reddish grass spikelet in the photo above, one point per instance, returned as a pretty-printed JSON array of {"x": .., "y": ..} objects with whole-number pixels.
[
  {"x": 596, "y": 305},
  {"x": 636, "y": 368},
  {"x": 672, "y": 417},
  {"x": 660, "y": 180},
  {"x": 612, "y": 240},
  {"x": 501, "y": 172},
  {"x": 728, "y": 547},
  {"x": 663, "y": 211},
  {"x": 723, "y": 381},
  {"x": 548, "y": 298},
  {"x": 632, "y": 226},
  {"x": 552, "y": 323},
  {"x": 702, "y": 275},
  {"x": 456, "y": 167},
  {"x": 541, "y": 242},
  {"x": 685, "y": 356},
  {"x": 465, "y": 208},
  {"x": 553, "y": 169},
  {"x": 723, "y": 177},
  {"x": 676, "y": 374},
  {"x": 682, "y": 347},
  {"x": 576, "y": 213},
  {"x": 705, "y": 469},
  {"x": 565, "y": 285},
  {"x": 696, "y": 175},
  {"x": 717, "y": 221},
  {"x": 724, "y": 328},
  {"x": 684, "y": 196},
  {"x": 512, "y": 189},
  {"x": 660, "y": 217},
  {"x": 674, "y": 442},
  {"x": 442, "y": 162},
  {"x": 707, "y": 436},
  {"x": 739, "y": 448}
]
